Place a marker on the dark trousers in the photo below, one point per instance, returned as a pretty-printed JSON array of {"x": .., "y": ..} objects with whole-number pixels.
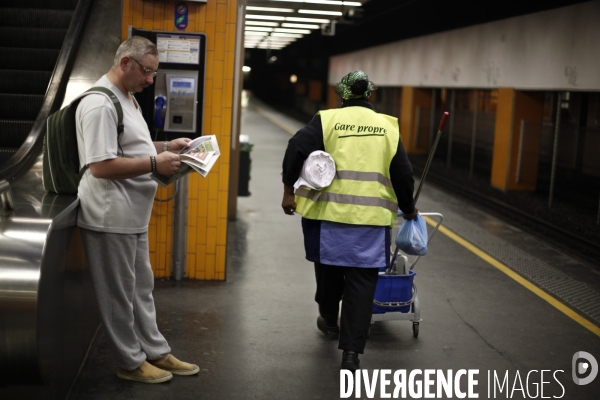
[{"x": 357, "y": 286}]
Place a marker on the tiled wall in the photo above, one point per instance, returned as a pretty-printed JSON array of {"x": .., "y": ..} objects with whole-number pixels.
[{"x": 207, "y": 200}]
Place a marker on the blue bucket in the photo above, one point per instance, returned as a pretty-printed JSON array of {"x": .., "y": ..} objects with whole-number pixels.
[{"x": 393, "y": 289}]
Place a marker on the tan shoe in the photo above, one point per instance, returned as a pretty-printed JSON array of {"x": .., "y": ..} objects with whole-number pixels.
[
  {"x": 146, "y": 373},
  {"x": 175, "y": 366}
]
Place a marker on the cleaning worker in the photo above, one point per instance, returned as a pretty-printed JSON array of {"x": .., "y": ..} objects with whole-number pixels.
[{"x": 347, "y": 225}]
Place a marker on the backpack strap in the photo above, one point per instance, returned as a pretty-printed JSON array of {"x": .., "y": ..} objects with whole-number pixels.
[
  {"x": 113, "y": 97},
  {"x": 118, "y": 108},
  {"x": 81, "y": 172}
]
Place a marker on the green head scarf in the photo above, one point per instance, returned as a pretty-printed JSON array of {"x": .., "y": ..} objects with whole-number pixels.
[{"x": 343, "y": 89}]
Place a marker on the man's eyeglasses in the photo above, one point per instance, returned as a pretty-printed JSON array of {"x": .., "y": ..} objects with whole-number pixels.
[{"x": 144, "y": 70}]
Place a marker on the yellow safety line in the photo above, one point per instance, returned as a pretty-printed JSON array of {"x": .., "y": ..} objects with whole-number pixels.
[
  {"x": 518, "y": 278},
  {"x": 273, "y": 120}
]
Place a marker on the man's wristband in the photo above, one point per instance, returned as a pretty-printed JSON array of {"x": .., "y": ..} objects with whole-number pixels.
[
  {"x": 153, "y": 163},
  {"x": 165, "y": 146}
]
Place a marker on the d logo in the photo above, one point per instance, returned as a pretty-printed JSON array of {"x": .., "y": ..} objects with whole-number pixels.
[{"x": 582, "y": 367}]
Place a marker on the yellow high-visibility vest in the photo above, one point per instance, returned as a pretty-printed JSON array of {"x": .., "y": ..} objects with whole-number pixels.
[{"x": 362, "y": 143}]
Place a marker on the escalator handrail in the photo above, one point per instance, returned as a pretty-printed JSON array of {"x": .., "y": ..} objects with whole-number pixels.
[{"x": 54, "y": 95}]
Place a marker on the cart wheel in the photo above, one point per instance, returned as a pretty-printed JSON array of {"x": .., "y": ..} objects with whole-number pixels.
[{"x": 415, "y": 329}]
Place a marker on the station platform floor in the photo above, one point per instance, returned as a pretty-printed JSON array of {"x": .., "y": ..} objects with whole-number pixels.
[{"x": 493, "y": 299}]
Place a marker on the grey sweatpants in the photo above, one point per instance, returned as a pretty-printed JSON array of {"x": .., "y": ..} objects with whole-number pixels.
[{"x": 123, "y": 280}]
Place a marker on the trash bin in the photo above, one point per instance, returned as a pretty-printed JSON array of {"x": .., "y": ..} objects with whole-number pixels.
[{"x": 245, "y": 165}]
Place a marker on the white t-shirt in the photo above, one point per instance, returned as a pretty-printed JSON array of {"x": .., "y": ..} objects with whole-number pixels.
[{"x": 115, "y": 206}]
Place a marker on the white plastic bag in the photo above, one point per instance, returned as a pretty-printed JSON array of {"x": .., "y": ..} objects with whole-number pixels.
[{"x": 412, "y": 237}]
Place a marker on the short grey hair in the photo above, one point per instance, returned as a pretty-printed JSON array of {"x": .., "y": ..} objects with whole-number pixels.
[{"x": 136, "y": 47}]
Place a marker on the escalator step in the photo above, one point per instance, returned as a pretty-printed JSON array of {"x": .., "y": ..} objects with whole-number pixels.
[
  {"x": 24, "y": 82},
  {"x": 48, "y": 4},
  {"x": 39, "y": 18},
  {"x": 20, "y": 106},
  {"x": 37, "y": 38},
  {"x": 6, "y": 154},
  {"x": 28, "y": 59},
  {"x": 13, "y": 133}
]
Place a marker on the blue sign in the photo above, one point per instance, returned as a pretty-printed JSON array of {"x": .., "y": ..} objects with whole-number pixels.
[{"x": 181, "y": 16}]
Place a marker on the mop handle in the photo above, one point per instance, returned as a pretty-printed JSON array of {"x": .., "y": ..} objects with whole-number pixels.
[{"x": 430, "y": 158}]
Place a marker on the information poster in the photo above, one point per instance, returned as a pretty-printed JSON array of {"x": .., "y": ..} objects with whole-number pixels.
[{"x": 179, "y": 49}]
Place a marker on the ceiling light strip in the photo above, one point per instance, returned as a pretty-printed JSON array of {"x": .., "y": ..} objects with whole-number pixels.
[
  {"x": 301, "y": 26},
  {"x": 319, "y": 12},
  {"x": 326, "y": 2},
  {"x": 262, "y": 23},
  {"x": 267, "y": 17},
  {"x": 305, "y": 31},
  {"x": 294, "y": 35},
  {"x": 270, "y": 9},
  {"x": 259, "y": 28},
  {"x": 315, "y": 20}
]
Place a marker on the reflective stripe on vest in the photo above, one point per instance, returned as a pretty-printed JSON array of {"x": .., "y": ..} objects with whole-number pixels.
[
  {"x": 364, "y": 176},
  {"x": 316, "y": 195},
  {"x": 362, "y": 144}
]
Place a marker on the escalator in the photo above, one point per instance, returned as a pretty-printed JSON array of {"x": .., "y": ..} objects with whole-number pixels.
[
  {"x": 31, "y": 35},
  {"x": 50, "y": 51}
]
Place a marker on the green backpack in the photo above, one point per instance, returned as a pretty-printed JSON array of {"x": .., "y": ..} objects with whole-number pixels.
[{"x": 60, "y": 165}]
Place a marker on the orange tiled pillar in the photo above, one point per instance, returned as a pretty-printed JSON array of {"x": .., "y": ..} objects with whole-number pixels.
[
  {"x": 412, "y": 99},
  {"x": 513, "y": 107},
  {"x": 207, "y": 197},
  {"x": 333, "y": 100}
]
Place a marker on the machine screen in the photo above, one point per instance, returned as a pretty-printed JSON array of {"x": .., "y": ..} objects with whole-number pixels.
[{"x": 178, "y": 84}]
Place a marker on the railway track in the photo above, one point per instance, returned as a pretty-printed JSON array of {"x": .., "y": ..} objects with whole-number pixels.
[{"x": 568, "y": 241}]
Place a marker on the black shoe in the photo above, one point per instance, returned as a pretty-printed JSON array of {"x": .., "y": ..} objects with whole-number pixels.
[
  {"x": 350, "y": 360},
  {"x": 330, "y": 332}
]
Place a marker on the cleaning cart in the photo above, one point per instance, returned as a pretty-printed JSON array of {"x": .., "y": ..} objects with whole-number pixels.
[{"x": 396, "y": 293}]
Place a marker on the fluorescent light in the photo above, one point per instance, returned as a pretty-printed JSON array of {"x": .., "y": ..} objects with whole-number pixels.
[
  {"x": 245, "y": 68},
  {"x": 249, "y": 46},
  {"x": 275, "y": 39},
  {"x": 262, "y": 23},
  {"x": 306, "y": 31},
  {"x": 328, "y": 2},
  {"x": 259, "y": 28},
  {"x": 250, "y": 33},
  {"x": 251, "y": 8},
  {"x": 315, "y": 20},
  {"x": 319, "y": 12},
  {"x": 335, "y": 3},
  {"x": 301, "y": 26},
  {"x": 271, "y": 17},
  {"x": 294, "y": 35}
]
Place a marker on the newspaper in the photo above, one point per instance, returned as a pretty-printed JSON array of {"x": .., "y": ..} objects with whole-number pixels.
[{"x": 200, "y": 157}]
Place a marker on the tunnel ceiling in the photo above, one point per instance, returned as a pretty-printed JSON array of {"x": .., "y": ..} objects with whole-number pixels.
[{"x": 365, "y": 24}]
